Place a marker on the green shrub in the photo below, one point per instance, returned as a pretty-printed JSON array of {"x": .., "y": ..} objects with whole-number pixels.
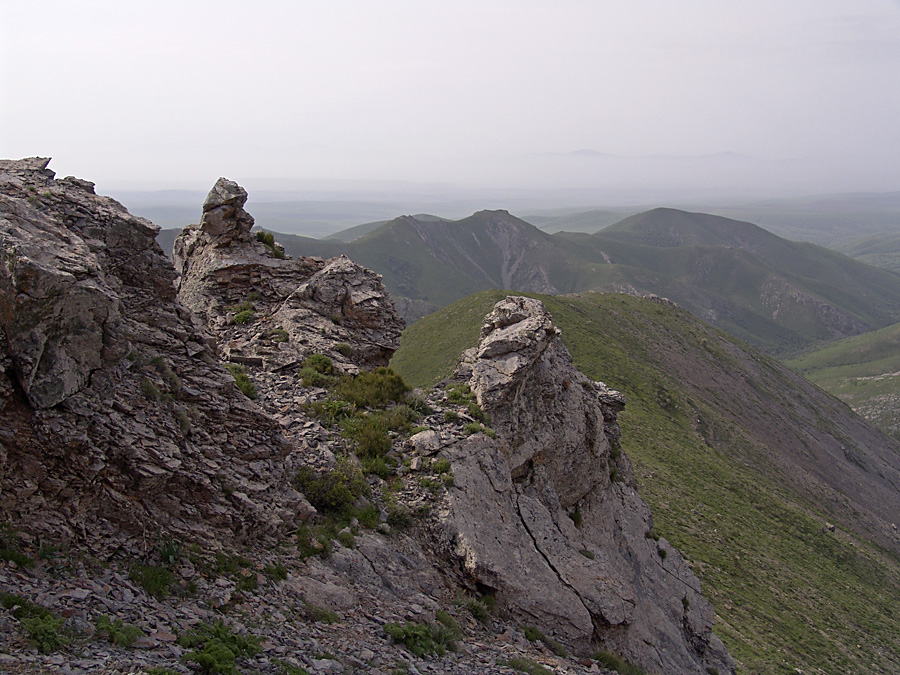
[
  {"x": 278, "y": 335},
  {"x": 588, "y": 554},
  {"x": 333, "y": 491},
  {"x": 150, "y": 391},
  {"x": 43, "y": 632},
  {"x": 157, "y": 581},
  {"x": 343, "y": 349},
  {"x": 369, "y": 434},
  {"x": 244, "y": 317},
  {"x": 451, "y": 416},
  {"x": 243, "y": 382},
  {"x": 320, "y": 614},
  {"x": 267, "y": 238},
  {"x": 441, "y": 466},
  {"x": 121, "y": 634},
  {"x": 446, "y": 620},
  {"x": 422, "y": 639},
  {"x": 330, "y": 411},
  {"x": 319, "y": 363},
  {"x": 372, "y": 389},
  {"x": 479, "y": 610},
  {"x": 214, "y": 647},
  {"x": 460, "y": 394}
]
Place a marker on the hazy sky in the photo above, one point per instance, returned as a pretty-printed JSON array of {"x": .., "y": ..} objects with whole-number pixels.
[{"x": 479, "y": 92}]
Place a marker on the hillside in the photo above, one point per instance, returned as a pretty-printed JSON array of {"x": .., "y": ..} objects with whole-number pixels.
[
  {"x": 782, "y": 500},
  {"x": 864, "y": 372},
  {"x": 880, "y": 250}
]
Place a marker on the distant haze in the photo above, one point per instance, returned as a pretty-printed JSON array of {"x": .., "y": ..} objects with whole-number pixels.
[{"x": 700, "y": 96}]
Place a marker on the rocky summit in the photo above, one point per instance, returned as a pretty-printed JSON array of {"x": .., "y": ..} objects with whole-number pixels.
[{"x": 206, "y": 467}]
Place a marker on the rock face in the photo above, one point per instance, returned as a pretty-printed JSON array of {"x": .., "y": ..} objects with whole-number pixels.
[
  {"x": 548, "y": 515},
  {"x": 119, "y": 427},
  {"x": 332, "y": 307}
]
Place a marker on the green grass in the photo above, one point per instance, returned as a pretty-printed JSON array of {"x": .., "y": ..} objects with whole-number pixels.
[
  {"x": 863, "y": 371},
  {"x": 787, "y": 593}
]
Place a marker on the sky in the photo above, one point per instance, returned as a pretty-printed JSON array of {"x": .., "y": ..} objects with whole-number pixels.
[{"x": 761, "y": 96}]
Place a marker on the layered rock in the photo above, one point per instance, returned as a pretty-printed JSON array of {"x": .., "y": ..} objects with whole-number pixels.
[
  {"x": 119, "y": 426},
  {"x": 548, "y": 516},
  {"x": 308, "y": 305}
]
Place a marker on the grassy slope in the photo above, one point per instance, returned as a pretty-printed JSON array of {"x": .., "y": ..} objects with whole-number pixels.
[
  {"x": 788, "y": 593},
  {"x": 862, "y": 371}
]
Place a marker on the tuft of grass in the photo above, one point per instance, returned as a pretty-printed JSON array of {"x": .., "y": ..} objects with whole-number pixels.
[
  {"x": 372, "y": 389},
  {"x": 532, "y": 634}
]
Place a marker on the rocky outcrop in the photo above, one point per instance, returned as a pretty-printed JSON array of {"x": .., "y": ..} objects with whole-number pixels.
[
  {"x": 548, "y": 517},
  {"x": 291, "y": 307},
  {"x": 119, "y": 427}
]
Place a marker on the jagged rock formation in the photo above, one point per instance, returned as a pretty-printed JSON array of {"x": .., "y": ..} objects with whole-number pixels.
[
  {"x": 548, "y": 515},
  {"x": 120, "y": 430},
  {"x": 118, "y": 425},
  {"x": 299, "y": 306}
]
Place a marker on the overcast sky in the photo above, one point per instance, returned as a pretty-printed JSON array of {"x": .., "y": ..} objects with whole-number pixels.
[{"x": 476, "y": 92}]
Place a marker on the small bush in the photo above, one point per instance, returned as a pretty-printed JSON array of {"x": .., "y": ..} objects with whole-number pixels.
[
  {"x": 244, "y": 317},
  {"x": 588, "y": 554},
  {"x": 243, "y": 382},
  {"x": 451, "y": 416},
  {"x": 266, "y": 238},
  {"x": 157, "y": 581},
  {"x": 343, "y": 349},
  {"x": 372, "y": 389},
  {"x": 333, "y": 491},
  {"x": 460, "y": 394},
  {"x": 215, "y": 647},
  {"x": 422, "y": 639},
  {"x": 441, "y": 466},
  {"x": 43, "y": 632},
  {"x": 369, "y": 434},
  {"x": 320, "y": 363},
  {"x": 121, "y": 634},
  {"x": 479, "y": 610},
  {"x": 150, "y": 391},
  {"x": 576, "y": 517},
  {"x": 330, "y": 411},
  {"x": 22, "y": 608},
  {"x": 278, "y": 335},
  {"x": 320, "y": 614}
]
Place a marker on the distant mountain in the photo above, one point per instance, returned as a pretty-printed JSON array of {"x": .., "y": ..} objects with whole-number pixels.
[
  {"x": 586, "y": 221},
  {"x": 353, "y": 233},
  {"x": 781, "y": 497}
]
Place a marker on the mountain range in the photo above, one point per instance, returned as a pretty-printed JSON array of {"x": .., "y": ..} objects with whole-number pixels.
[{"x": 778, "y": 295}]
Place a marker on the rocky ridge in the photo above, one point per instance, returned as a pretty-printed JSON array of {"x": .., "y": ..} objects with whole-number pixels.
[{"x": 465, "y": 514}]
